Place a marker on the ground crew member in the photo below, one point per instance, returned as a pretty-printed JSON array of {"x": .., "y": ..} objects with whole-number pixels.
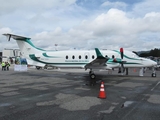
[
  {"x": 3, "y": 66},
  {"x": 7, "y": 65}
]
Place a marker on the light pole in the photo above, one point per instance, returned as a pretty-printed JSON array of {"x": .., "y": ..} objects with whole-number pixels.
[{"x": 56, "y": 46}]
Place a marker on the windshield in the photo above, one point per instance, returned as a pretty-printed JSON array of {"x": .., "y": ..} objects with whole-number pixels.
[{"x": 134, "y": 55}]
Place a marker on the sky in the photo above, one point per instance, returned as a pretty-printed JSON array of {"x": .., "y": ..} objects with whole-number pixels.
[{"x": 82, "y": 24}]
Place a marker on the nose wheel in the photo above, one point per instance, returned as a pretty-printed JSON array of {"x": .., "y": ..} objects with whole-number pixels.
[{"x": 154, "y": 72}]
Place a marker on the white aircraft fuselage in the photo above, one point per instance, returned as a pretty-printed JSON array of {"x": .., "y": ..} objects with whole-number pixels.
[{"x": 77, "y": 58}]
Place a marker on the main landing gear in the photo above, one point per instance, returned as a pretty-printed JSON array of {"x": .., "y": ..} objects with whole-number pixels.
[
  {"x": 92, "y": 75},
  {"x": 92, "y": 78},
  {"x": 38, "y": 68}
]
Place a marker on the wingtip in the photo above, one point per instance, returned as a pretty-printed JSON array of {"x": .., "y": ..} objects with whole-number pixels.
[
  {"x": 98, "y": 53},
  {"x": 96, "y": 49}
]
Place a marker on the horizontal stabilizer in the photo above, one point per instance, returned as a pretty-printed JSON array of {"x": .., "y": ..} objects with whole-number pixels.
[{"x": 16, "y": 37}]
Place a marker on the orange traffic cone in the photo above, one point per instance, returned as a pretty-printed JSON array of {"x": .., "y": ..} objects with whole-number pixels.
[
  {"x": 102, "y": 93},
  {"x": 134, "y": 70}
]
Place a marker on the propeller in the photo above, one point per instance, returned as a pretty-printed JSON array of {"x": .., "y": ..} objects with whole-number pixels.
[
  {"x": 121, "y": 51},
  {"x": 120, "y": 61},
  {"x": 122, "y": 66}
]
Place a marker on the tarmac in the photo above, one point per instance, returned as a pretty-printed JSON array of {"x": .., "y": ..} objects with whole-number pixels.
[{"x": 67, "y": 95}]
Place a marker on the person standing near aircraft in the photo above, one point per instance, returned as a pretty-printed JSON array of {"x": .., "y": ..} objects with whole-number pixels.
[
  {"x": 3, "y": 66},
  {"x": 7, "y": 66}
]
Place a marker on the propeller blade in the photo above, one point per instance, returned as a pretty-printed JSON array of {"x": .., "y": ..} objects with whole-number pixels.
[
  {"x": 121, "y": 51},
  {"x": 122, "y": 68}
]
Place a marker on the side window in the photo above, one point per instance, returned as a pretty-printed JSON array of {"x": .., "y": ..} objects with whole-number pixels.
[
  {"x": 86, "y": 57},
  {"x": 73, "y": 57},
  {"x": 113, "y": 56},
  {"x": 106, "y": 56},
  {"x": 66, "y": 56},
  {"x": 92, "y": 56},
  {"x": 79, "y": 56}
]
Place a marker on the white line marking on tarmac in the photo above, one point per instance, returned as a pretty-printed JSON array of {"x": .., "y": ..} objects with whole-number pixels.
[{"x": 155, "y": 86}]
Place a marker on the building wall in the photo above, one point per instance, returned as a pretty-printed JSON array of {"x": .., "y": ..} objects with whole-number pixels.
[
  {"x": 0, "y": 57},
  {"x": 8, "y": 54}
]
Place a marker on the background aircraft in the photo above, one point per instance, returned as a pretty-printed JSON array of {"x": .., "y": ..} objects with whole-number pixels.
[{"x": 87, "y": 59}]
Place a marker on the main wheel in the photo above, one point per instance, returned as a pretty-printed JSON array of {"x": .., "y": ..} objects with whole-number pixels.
[
  {"x": 153, "y": 74},
  {"x": 37, "y": 67},
  {"x": 92, "y": 76}
]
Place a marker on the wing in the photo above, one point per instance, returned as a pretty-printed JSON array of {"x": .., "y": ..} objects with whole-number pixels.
[{"x": 99, "y": 62}]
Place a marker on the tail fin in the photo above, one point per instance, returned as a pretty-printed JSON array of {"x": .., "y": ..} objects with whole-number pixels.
[{"x": 26, "y": 47}]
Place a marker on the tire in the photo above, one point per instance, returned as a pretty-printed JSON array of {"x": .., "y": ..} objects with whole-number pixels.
[
  {"x": 37, "y": 67},
  {"x": 92, "y": 76},
  {"x": 153, "y": 74}
]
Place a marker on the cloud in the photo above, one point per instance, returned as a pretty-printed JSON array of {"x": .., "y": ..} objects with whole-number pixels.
[
  {"x": 114, "y": 4},
  {"x": 72, "y": 24},
  {"x": 114, "y": 27},
  {"x": 7, "y": 6},
  {"x": 144, "y": 7},
  {"x": 3, "y": 40}
]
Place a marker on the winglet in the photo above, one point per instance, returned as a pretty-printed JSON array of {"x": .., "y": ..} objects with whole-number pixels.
[{"x": 99, "y": 54}]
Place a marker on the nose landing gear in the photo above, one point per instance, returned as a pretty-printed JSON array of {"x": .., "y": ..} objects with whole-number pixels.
[{"x": 153, "y": 72}]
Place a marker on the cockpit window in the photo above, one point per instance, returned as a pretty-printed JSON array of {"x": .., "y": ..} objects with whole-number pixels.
[{"x": 134, "y": 55}]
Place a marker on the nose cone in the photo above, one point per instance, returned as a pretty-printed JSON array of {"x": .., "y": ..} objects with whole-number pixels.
[
  {"x": 153, "y": 63},
  {"x": 149, "y": 63}
]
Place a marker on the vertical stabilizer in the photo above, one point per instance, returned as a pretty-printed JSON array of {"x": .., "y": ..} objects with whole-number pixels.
[
  {"x": 27, "y": 48},
  {"x": 25, "y": 45}
]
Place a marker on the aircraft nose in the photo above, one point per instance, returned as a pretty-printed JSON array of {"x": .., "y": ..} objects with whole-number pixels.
[
  {"x": 150, "y": 63},
  {"x": 154, "y": 63}
]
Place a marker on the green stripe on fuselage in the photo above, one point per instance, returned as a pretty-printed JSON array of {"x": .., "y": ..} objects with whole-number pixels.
[
  {"x": 27, "y": 40},
  {"x": 34, "y": 58},
  {"x": 125, "y": 55},
  {"x": 45, "y": 55}
]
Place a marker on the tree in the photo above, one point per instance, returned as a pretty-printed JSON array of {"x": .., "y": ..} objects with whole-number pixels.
[{"x": 155, "y": 53}]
